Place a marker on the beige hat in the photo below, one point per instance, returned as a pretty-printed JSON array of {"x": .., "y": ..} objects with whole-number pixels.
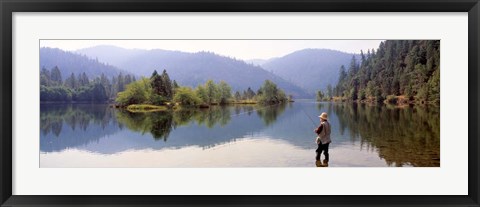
[{"x": 324, "y": 116}]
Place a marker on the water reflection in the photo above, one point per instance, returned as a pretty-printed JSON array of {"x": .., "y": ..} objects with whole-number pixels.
[
  {"x": 402, "y": 136},
  {"x": 69, "y": 126},
  {"x": 362, "y": 135}
]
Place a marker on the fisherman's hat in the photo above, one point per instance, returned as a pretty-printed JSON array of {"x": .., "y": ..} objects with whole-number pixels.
[{"x": 324, "y": 116}]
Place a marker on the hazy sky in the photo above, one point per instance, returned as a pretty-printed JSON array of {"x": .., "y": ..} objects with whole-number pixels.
[{"x": 240, "y": 49}]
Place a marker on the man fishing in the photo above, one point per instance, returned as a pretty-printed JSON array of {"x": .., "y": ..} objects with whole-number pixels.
[{"x": 323, "y": 137}]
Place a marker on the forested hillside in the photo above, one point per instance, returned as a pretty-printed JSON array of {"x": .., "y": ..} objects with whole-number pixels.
[
  {"x": 78, "y": 87},
  {"x": 191, "y": 69},
  {"x": 409, "y": 68},
  {"x": 69, "y": 63}
]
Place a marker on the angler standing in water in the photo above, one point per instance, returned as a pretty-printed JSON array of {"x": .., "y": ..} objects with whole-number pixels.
[{"x": 323, "y": 138}]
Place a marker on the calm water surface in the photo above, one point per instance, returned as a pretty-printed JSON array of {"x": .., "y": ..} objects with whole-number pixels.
[{"x": 86, "y": 135}]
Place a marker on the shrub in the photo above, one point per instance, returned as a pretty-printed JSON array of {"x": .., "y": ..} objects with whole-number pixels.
[{"x": 186, "y": 96}]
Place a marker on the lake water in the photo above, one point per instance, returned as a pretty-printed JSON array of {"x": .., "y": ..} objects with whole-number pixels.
[{"x": 87, "y": 135}]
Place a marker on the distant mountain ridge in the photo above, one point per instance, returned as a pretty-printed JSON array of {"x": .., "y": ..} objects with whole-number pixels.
[
  {"x": 310, "y": 69},
  {"x": 190, "y": 69},
  {"x": 69, "y": 62}
]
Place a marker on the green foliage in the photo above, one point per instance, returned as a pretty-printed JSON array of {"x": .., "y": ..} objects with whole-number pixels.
[
  {"x": 95, "y": 92},
  {"x": 56, "y": 76},
  {"x": 201, "y": 93},
  {"x": 55, "y": 93},
  {"x": 423, "y": 93},
  {"x": 270, "y": 94},
  {"x": 81, "y": 88},
  {"x": 145, "y": 108},
  {"x": 212, "y": 92},
  {"x": 329, "y": 91},
  {"x": 290, "y": 98},
  {"x": 162, "y": 88},
  {"x": 225, "y": 92},
  {"x": 71, "y": 81},
  {"x": 249, "y": 93},
  {"x": 353, "y": 94},
  {"x": 370, "y": 90},
  {"x": 398, "y": 67},
  {"x": 434, "y": 87},
  {"x": 378, "y": 95},
  {"x": 186, "y": 96},
  {"x": 238, "y": 97},
  {"x": 320, "y": 96},
  {"x": 167, "y": 89},
  {"x": 137, "y": 92},
  {"x": 362, "y": 95}
]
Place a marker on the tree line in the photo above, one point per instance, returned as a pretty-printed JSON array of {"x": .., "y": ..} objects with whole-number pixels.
[
  {"x": 159, "y": 89},
  {"x": 79, "y": 87},
  {"x": 409, "y": 68}
]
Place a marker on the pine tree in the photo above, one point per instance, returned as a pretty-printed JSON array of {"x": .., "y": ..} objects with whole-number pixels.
[
  {"x": 238, "y": 97},
  {"x": 397, "y": 67},
  {"x": 71, "y": 82},
  {"x": 56, "y": 76},
  {"x": 167, "y": 90}
]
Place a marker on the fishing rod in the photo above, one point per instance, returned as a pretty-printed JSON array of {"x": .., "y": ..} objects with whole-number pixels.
[{"x": 313, "y": 122}]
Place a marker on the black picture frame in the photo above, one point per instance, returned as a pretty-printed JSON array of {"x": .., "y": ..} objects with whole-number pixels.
[{"x": 7, "y": 7}]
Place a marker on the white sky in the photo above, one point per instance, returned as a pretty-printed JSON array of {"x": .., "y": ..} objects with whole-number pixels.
[{"x": 240, "y": 49}]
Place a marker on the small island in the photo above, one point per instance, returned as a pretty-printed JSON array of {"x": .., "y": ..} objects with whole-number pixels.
[{"x": 159, "y": 93}]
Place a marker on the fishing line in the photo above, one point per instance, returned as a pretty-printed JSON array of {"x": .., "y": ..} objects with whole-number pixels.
[{"x": 313, "y": 122}]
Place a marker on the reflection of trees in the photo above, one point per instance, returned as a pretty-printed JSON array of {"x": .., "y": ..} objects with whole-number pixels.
[
  {"x": 159, "y": 124},
  {"x": 409, "y": 135},
  {"x": 271, "y": 113},
  {"x": 53, "y": 117},
  {"x": 213, "y": 116},
  {"x": 60, "y": 125}
]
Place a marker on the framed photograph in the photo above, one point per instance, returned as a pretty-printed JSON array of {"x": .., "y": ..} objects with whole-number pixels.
[{"x": 191, "y": 103}]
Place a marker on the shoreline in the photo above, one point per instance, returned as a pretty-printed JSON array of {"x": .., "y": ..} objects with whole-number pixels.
[
  {"x": 144, "y": 108},
  {"x": 400, "y": 101}
]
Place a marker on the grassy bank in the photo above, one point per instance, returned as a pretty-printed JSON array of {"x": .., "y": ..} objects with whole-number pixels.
[
  {"x": 141, "y": 108},
  {"x": 136, "y": 108},
  {"x": 244, "y": 102}
]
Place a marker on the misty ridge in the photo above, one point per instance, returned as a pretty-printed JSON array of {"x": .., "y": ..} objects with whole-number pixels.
[{"x": 300, "y": 73}]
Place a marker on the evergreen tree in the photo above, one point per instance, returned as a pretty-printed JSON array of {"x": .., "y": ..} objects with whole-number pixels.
[
  {"x": 320, "y": 96},
  {"x": 120, "y": 83},
  {"x": 56, "y": 76},
  {"x": 397, "y": 67},
  {"x": 238, "y": 97},
  {"x": 250, "y": 93},
  {"x": 329, "y": 91},
  {"x": 128, "y": 79},
  {"x": 175, "y": 84},
  {"x": 71, "y": 82},
  {"x": 167, "y": 90},
  {"x": 156, "y": 82},
  {"x": 45, "y": 77}
]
